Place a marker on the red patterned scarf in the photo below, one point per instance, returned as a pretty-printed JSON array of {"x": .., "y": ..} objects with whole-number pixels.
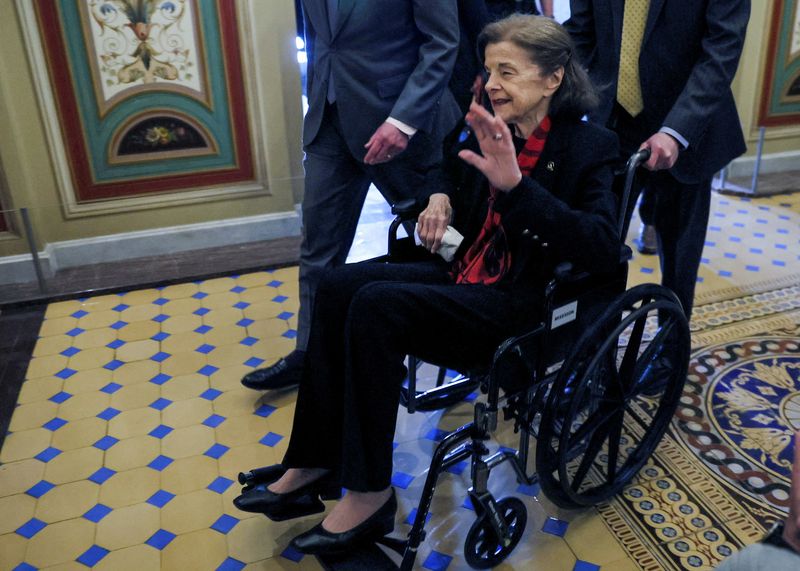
[{"x": 489, "y": 259}]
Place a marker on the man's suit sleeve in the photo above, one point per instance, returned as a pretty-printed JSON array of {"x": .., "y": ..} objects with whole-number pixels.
[
  {"x": 726, "y": 24},
  {"x": 437, "y": 22},
  {"x": 581, "y": 28}
]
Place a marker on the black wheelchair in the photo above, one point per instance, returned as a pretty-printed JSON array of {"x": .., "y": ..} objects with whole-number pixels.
[{"x": 596, "y": 383}]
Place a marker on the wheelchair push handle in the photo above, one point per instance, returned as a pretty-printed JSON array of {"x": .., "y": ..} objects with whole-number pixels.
[{"x": 636, "y": 160}]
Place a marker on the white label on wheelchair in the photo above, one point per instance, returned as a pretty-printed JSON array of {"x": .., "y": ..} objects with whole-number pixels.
[{"x": 564, "y": 314}]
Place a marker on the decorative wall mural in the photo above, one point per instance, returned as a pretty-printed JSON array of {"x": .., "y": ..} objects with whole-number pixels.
[
  {"x": 150, "y": 94},
  {"x": 137, "y": 43},
  {"x": 780, "y": 98}
]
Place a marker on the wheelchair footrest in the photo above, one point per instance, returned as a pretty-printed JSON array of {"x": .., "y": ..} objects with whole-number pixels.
[{"x": 441, "y": 397}]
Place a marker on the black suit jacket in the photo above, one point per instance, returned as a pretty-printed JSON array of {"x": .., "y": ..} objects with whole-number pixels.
[
  {"x": 564, "y": 211},
  {"x": 689, "y": 55},
  {"x": 387, "y": 58}
]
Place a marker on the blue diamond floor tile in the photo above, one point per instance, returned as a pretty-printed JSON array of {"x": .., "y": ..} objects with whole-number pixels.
[
  {"x": 209, "y": 394},
  {"x": 80, "y": 313},
  {"x": 54, "y": 424},
  {"x": 402, "y": 480},
  {"x": 160, "y": 431},
  {"x": 97, "y": 513},
  {"x": 113, "y": 365},
  {"x": 224, "y": 524},
  {"x": 214, "y": 420},
  {"x": 160, "y": 336},
  {"x": 160, "y": 462},
  {"x": 160, "y": 379},
  {"x": 220, "y": 485},
  {"x": 108, "y": 413},
  {"x": 160, "y": 539},
  {"x": 70, "y": 351},
  {"x": 216, "y": 451},
  {"x": 585, "y": 566},
  {"x": 101, "y": 475},
  {"x": 555, "y": 526},
  {"x": 24, "y": 567},
  {"x": 205, "y": 348},
  {"x": 203, "y": 329},
  {"x": 111, "y": 388},
  {"x": 160, "y": 498},
  {"x": 245, "y": 322},
  {"x": 248, "y": 341},
  {"x": 292, "y": 555},
  {"x": 115, "y": 344},
  {"x": 271, "y": 439},
  {"x": 413, "y": 515},
  {"x": 265, "y": 410},
  {"x": 253, "y": 362},
  {"x": 31, "y": 528},
  {"x": 92, "y": 556},
  {"x": 58, "y": 398},
  {"x": 437, "y": 561},
  {"x": 160, "y": 404},
  {"x": 208, "y": 370},
  {"x": 160, "y": 357},
  {"x": 106, "y": 442},
  {"x": 39, "y": 489},
  {"x": 231, "y": 564},
  {"x": 47, "y": 454}
]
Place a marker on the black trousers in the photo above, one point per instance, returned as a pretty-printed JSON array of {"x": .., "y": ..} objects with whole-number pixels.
[
  {"x": 679, "y": 212},
  {"x": 367, "y": 318}
]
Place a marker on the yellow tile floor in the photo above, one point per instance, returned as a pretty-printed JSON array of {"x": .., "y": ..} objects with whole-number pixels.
[{"x": 131, "y": 426}]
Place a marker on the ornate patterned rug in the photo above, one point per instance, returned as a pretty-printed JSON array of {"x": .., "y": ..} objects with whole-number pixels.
[{"x": 720, "y": 477}]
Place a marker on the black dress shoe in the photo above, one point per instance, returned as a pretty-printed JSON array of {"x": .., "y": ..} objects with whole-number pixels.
[
  {"x": 318, "y": 540},
  {"x": 305, "y": 500},
  {"x": 287, "y": 372}
]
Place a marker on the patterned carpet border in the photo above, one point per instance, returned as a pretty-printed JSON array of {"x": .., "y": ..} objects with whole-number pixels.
[{"x": 679, "y": 513}]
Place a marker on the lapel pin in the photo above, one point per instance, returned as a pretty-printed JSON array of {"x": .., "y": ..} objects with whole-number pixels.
[{"x": 551, "y": 166}]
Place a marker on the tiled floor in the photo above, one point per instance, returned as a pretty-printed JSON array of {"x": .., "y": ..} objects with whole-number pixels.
[{"x": 131, "y": 425}]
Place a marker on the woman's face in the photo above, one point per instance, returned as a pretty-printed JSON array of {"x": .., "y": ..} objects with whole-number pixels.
[{"x": 519, "y": 93}]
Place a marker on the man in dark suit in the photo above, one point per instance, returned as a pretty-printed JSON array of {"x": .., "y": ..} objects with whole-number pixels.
[
  {"x": 664, "y": 69},
  {"x": 378, "y": 110}
]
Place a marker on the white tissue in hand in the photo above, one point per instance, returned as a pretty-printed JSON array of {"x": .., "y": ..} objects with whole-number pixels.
[{"x": 450, "y": 242}]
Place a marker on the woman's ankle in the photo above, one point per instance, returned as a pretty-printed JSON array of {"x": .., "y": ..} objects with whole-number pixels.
[{"x": 295, "y": 478}]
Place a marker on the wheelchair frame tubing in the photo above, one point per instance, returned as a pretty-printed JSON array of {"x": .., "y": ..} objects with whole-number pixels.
[{"x": 443, "y": 457}]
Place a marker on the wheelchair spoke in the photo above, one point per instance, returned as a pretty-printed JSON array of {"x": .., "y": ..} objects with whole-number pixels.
[
  {"x": 613, "y": 444},
  {"x": 595, "y": 421},
  {"x": 639, "y": 420},
  {"x": 632, "y": 351},
  {"x": 595, "y": 444}
]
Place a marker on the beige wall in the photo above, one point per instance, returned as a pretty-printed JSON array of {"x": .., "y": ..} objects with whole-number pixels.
[{"x": 28, "y": 164}]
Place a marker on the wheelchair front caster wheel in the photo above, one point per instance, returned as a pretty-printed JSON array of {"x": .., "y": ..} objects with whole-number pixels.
[{"x": 482, "y": 548}]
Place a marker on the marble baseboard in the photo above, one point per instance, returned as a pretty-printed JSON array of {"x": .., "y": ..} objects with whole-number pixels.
[{"x": 160, "y": 241}]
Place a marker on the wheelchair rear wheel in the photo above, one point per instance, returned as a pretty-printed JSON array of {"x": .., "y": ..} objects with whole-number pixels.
[
  {"x": 482, "y": 548},
  {"x": 613, "y": 398}
]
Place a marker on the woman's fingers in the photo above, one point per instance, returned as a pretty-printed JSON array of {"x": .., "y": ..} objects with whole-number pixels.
[{"x": 474, "y": 159}]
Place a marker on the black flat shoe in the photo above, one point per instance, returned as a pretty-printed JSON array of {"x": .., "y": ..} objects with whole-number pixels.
[
  {"x": 305, "y": 500},
  {"x": 287, "y": 372},
  {"x": 319, "y": 541}
]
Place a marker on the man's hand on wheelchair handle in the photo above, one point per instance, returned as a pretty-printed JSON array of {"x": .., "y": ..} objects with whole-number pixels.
[
  {"x": 433, "y": 221},
  {"x": 664, "y": 151},
  {"x": 499, "y": 161}
]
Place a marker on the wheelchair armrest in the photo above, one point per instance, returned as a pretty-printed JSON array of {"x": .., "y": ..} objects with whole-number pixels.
[{"x": 406, "y": 209}]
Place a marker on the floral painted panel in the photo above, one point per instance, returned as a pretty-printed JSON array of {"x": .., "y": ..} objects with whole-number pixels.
[{"x": 144, "y": 44}]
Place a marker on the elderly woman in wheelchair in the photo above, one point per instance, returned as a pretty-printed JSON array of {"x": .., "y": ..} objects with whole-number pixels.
[{"x": 530, "y": 187}]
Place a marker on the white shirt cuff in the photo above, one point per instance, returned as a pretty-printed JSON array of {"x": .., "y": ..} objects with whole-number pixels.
[
  {"x": 678, "y": 137},
  {"x": 407, "y": 129}
]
